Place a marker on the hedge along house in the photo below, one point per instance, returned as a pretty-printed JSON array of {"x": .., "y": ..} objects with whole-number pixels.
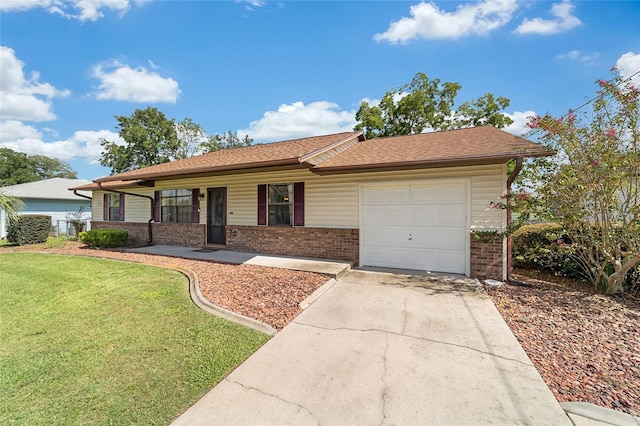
[{"x": 402, "y": 202}]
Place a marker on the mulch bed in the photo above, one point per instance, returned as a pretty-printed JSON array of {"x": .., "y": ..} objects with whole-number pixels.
[
  {"x": 270, "y": 295},
  {"x": 585, "y": 345}
]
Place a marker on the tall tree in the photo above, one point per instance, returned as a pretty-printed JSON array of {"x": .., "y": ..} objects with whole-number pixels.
[
  {"x": 426, "y": 104},
  {"x": 486, "y": 110},
  {"x": 47, "y": 168},
  {"x": 591, "y": 188},
  {"x": 190, "y": 137},
  {"x": 17, "y": 167},
  {"x": 150, "y": 138},
  {"x": 226, "y": 140}
]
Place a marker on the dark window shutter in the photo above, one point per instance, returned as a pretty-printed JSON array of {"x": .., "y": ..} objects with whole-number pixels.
[
  {"x": 195, "y": 194},
  {"x": 105, "y": 207},
  {"x": 157, "y": 206},
  {"x": 121, "y": 212},
  {"x": 298, "y": 204},
  {"x": 262, "y": 204}
]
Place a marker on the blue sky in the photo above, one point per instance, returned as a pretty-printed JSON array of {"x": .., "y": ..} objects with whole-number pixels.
[{"x": 287, "y": 69}]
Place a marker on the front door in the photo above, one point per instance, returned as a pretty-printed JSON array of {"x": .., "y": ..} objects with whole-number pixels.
[{"x": 216, "y": 215}]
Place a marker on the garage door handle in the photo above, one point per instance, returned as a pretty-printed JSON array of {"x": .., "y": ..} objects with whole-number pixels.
[{"x": 410, "y": 237}]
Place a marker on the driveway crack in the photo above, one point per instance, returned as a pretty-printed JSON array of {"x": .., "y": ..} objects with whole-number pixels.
[
  {"x": 406, "y": 315},
  {"x": 276, "y": 397},
  {"x": 425, "y": 339},
  {"x": 385, "y": 385}
]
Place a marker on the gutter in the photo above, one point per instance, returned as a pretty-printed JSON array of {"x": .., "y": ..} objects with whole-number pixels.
[
  {"x": 477, "y": 160},
  {"x": 75, "y": 192},
  {"x": 153, "y": 205},
  {"x": 510, "y": 180}
]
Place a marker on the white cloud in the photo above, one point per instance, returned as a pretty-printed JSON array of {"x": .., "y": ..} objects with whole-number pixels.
[
  {"x": 520, "y": 120},
  {"x": 123, "y": 83},
  {"x": 24, "y": 98},
  {"x": 22, "y": 5},
  {"x": 628, "y": 64},
  {"x": 11, "y": 130},
  {"x": 299, "y": 120},
  {"x": 427, "y": 21},
  {"x": 576, "y": 55},
  {"x": 82, "y": 10},
  {"x": 83, "y": 144},
  {"x": 563, "y": 21}
]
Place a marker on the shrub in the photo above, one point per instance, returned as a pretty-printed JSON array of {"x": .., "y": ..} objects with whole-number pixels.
[
  {"x": 544, "y": 246},
  {"x": 104, "y": 238},
  {"x": 29, "y": 229}
]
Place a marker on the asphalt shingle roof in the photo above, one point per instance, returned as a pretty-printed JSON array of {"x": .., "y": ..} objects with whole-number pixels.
[
  {"x": 478, "y": 145},
  {"x": 290, "y": 152},
  {"x": 52, "y": 189}
]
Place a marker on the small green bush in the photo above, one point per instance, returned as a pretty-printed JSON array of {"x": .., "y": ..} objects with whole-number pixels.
[
  {"x": 544, "y": 246},
  {"x": 29, "y": 229},
  {"x": 547, "y": 247},
  {"x": 104, "y": 238}
]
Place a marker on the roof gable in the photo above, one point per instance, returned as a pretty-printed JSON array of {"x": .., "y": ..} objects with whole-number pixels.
[
  {"x": 287, "y": 153},
  {"x": 51, "y": 189},
  {"x": 477, "y": 145}
]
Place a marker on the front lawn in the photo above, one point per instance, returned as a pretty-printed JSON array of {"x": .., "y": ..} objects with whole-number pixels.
[{"x": 96, "y": 341}]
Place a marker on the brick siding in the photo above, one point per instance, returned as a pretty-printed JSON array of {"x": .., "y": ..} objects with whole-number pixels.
[
  {"x": 320, "y": 243},
  {"x": 487, "y": 259},
  {"x": 173, "y": 234}
]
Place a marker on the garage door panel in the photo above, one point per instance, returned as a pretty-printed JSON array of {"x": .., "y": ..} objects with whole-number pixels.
[
  {"x": 398, "y": 215},
  {"x": 374, "y": 215},
  {"x": 375, "y": 196},
  {"x": 424, "y": 194},
  {"x": 451, "y": 215},
  {"x": 423, "y": 215},
  {"x": 375, "y": 255},
  {"x": 451, "y": 193},
  {"x": 416, "y": 226}
]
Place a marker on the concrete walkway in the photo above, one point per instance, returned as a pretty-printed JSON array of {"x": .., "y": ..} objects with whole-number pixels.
[
  {"x": 381, "y": 348},
  {"x": 386, "y": 349},
  {"x": 334, "y": 269}
]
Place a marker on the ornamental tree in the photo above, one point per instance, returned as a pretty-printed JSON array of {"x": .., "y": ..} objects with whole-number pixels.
[{"x": 591, "y": 186}]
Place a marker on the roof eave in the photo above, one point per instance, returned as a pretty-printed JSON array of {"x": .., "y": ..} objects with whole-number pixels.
[
  {"x": 201, "y": 170},
  {"x": 444, "y": 162}
]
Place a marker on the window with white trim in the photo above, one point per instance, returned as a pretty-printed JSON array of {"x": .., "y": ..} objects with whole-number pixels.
[
  {"x": 177, "y": 205},
  {"x": 280, "y": 204}
]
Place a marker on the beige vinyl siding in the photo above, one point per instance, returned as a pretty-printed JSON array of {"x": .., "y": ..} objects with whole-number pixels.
[{"x": 331, "y": 201}]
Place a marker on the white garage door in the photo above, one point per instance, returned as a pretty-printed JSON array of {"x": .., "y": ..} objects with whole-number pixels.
[{"x": 416, "y": 226}]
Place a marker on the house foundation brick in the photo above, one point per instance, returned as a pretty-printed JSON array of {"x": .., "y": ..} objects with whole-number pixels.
[
  {"x": 173, "y": 234},
  {"x": 487, "y": 259},
  {"x": 320, "y": 243}
]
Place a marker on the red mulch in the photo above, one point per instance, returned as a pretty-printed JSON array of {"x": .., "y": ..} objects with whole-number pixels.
[
  {"x": 585, "y": 345},
  {"x": 270, "y": 295}
]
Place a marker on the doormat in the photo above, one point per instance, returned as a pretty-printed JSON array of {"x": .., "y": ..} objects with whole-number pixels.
[{"x": 206, "y": 250}]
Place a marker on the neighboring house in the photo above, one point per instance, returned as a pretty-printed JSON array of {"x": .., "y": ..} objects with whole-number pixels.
[
  {"x": 402, "y": 202},
  {"x": 49, "y": 197}
]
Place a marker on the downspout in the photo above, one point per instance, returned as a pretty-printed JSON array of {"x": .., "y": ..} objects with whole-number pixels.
[
  {"x": 510, "y": 180},
  {"x": 153, "y": 202}
]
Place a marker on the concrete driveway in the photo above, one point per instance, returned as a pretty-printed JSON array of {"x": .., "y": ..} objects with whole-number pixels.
[{"x": 384, "y": 349}]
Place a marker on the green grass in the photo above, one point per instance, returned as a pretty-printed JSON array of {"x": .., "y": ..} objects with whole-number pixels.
[{"x": 95, "y": 341}]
